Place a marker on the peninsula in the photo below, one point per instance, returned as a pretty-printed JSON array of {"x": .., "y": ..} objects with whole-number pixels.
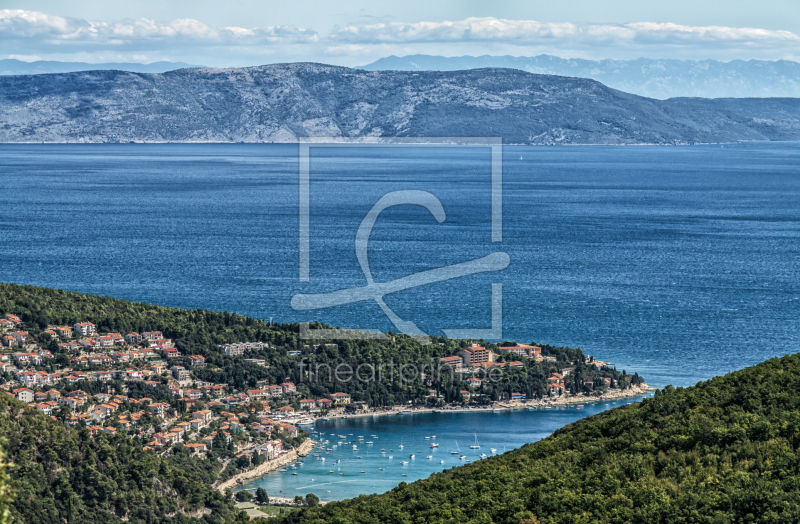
[{"x": 213, "y": 398}]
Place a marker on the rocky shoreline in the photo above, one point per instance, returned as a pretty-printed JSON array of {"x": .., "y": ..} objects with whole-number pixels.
[{"x": 237, "y": 480}]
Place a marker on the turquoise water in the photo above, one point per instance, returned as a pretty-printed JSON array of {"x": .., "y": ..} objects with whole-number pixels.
[{"x": 453, "y": 431}]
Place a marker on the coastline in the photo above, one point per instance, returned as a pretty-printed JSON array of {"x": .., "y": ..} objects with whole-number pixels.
[
  {"x": 259, "y": 471},
  {"x": 306, "y": 447},
  {"x": 511, "y": 405}
]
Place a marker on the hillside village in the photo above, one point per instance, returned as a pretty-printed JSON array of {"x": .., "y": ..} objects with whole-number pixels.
[
  {"x": 199, "y": 415},
  {"x": 140, "y": 384}
]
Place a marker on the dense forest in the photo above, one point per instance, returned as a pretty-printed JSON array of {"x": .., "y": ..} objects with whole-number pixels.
[
  {"x": 723, "y": 451},
  {"x": 59, "y": 474}
]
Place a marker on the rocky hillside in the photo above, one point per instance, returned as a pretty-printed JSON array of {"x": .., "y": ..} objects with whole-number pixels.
[{"x": 278, "y": 103}]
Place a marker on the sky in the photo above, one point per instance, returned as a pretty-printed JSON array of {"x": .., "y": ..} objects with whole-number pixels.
[{"x": 248, "y": 32}]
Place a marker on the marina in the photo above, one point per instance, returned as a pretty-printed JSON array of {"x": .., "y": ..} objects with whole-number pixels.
[{"x": 349, "y": 472}]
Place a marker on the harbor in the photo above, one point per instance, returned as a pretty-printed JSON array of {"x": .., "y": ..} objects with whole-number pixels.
[{"x": 372, "y": 454}]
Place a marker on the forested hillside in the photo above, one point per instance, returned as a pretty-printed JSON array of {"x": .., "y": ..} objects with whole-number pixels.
[
  {"x": 59, "y": 474},
  {"x": 723, "y": 451},
  {"x": 62, "y": 474},
  {"x": 199, "y": 331}
]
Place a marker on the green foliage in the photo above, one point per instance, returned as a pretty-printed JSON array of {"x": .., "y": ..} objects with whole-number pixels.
[
  {"x": 5, "y": 494},
  {"x": 312, "y": 500},
  {"x": 261, "y": 496},
  {"x": 59, "y": 474},
  {"x": 725, "y": 450},
  {"x": 377, "y": 361}
]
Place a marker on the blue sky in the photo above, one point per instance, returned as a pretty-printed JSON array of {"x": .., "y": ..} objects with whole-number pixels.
[{"x": 248, "y": 32}]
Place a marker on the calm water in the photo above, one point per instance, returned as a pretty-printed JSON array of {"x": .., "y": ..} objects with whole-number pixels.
[
  {"x": 453, "y": 431},
  {"x": 678, "y": 262}
]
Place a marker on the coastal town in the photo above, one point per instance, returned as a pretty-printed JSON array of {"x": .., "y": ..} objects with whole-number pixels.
[{"x": 139, "y": 384}]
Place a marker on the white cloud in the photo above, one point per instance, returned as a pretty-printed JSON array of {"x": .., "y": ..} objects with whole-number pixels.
[
  {"x": 531, "y": 32},
  {"x": 42, "y": 30},
  {"x": 29, "y": 33}
]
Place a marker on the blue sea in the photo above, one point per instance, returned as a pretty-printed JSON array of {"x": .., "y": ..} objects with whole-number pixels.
[
  {"x": 341, "y": 472},
  {"x": 680, "y": 263}
]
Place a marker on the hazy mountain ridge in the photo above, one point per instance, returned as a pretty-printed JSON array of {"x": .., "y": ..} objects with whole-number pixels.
[
  {"x": 278, "y": 103},
  {"x": 654, "y": 78},
  {"x": 10, "y": 66}
]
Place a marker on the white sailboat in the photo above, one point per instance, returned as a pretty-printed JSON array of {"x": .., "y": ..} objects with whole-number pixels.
[
  {"x": 475, "y": 446},
  {"x": 456, "y": 452}
]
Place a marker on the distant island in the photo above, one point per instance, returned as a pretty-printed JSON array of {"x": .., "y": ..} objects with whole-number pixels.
[
  {"x": 652, "y": 77},
  {"x": 279, "y": 103}
]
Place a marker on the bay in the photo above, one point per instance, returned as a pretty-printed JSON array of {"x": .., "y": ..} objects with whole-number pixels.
[{"x": 346, "y": 473}]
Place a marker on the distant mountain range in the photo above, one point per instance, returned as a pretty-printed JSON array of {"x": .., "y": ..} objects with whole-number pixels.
[
  {"x": 11, "y": 66},
  {"x": 278, "y": 103},
  {"x": 654, "y": 78}
]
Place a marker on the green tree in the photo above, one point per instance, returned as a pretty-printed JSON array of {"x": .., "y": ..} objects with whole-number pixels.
[{"x": 262, "y": 496}]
